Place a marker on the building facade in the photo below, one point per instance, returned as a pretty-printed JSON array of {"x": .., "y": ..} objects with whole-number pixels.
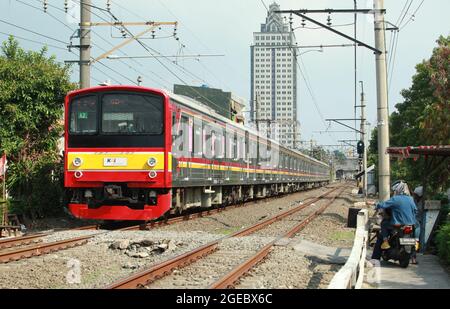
[
  {"x": 224, "y": 103},
  {"x": 274, "y": 80}
]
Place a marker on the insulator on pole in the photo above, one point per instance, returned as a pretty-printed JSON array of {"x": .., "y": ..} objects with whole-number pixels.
[
  {"x": 45, "y": 6},
  {"x": 329, "y": 20},
  {"x": 108, "y": 5},
  {"x": 66, "y": 6}
]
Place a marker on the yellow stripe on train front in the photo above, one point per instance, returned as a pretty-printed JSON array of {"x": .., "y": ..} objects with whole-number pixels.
[{"x": 117, "y": 161}]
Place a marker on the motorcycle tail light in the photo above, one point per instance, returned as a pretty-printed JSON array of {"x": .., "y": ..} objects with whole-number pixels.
[{"x": 407, "y": 229}]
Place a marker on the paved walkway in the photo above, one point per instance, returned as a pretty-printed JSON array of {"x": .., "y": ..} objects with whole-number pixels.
[{"x": 428, "y": 274}]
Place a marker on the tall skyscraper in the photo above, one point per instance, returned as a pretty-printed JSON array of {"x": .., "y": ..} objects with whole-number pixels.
[{"x": 274, "y": 80}]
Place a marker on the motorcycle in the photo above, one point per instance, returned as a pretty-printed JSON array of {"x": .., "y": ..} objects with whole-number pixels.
[{"x": 402, "y": 245}]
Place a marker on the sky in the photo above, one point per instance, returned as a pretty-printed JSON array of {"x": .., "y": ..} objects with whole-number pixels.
[{"x": 218, "y": 27}]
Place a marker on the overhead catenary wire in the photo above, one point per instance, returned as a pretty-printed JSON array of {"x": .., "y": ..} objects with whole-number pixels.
[
  {"x": 32, "y": 31},
  {"x": 140, "y": 42},
  {"x": 183, "y": 45},
  {"x": 413, "y": 15},
  {"x": 33, "y": 41},
  {"x": 406, "y": 13},
  {"x": 151, "y": 51},
  {"x": 99, "y": 47}
]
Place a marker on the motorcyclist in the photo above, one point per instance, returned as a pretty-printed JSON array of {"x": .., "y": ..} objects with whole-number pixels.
[{"x": 403, "y": 212}]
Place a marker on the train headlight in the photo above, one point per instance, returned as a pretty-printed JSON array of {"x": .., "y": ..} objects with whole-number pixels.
[
  {"x": 77, "y": 162},
  {"x": 152, "y": 174},
  {"x": 152, "y": 162},
  {"x": 78, "y": 174}
]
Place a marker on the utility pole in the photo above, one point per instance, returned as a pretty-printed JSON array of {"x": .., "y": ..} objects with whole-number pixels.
[
  {"x": 382, "y": 103},
  {"x": 85, "y": 43},
  {"x": 363, "y": 138}
]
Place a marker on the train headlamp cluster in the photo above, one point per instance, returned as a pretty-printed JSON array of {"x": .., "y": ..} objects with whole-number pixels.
[
  {"x": 152, "y": 162},
  {"x": 77, "y": 162}
]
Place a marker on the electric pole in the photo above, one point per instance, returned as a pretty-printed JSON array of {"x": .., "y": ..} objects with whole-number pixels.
[
  {"x": 363, "y": 139},
  {"x": 382, "y": 103},
  {"x": 85, "y": 44}
]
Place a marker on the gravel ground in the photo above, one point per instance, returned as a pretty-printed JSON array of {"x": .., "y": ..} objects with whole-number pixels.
[
  {"x": 233, "y": 220},
  {"x": 287, "y": 269},
  {"x": 201, "y": 274},
  {"x": 112, "y": 255},
  {"x": 290, "y": 269}
]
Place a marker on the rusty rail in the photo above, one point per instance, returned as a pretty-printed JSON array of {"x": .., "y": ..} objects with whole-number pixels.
[
  {"x": 15, "y": 255},
  {"x": 21, "y": 241},
  {"x": 232, "y": 277},
  {"x": 162, "y": 269},
  {"x": 159, "y": 270}
]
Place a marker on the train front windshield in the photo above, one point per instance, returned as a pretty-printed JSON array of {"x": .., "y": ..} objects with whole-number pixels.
[{"x": 116, "y": 120}]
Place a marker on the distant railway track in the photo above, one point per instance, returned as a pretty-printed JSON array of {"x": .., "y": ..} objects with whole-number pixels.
[{"x": 146, "y": 277}]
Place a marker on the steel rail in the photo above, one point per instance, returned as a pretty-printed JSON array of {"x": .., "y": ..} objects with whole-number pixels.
[
  {"x": 45, "y": 248},
  {"x": 21, "y": 241},
  {"x": 159, "y": 270}
]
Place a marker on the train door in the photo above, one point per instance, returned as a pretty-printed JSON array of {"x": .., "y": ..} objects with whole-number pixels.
[
  {"x": 197, "y": 170},
  {"x": 208, "y": 150},
  {"x": 186, "y": 129},
  {"x": 247, "y": 155},
  {"x": 241, "y": 155}
]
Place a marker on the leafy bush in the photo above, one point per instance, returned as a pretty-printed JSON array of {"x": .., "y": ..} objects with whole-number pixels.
[
  {"x": 443, "y": 242},
  {"x": 39, "y": 186}
]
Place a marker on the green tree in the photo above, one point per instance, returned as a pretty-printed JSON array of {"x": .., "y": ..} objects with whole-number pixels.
[
  {"x": 339, "y": 156},
  {"x": 423, "y": 118},
  {"x": 32, "y": 91}
]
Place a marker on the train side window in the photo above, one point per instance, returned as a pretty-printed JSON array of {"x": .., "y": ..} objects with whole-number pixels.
[{"x": 185, "y": 136}]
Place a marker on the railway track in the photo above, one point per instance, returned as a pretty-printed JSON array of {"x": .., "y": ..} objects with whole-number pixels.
[
  {"x": 36, "y": 250},
  {"x": 8, "y": 252},
  {"x": 21, "y": 241},
  {"x": 232, "y": 277},
  {"x": 158, "y": 271},
  {"x": 39, "y": 249}
]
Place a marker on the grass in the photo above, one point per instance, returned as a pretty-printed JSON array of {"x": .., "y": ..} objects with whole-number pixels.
[{"x": 343, "y": 235}]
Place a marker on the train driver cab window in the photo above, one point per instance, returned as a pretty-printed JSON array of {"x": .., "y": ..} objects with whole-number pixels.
[
  {"x": 83, "y": 115},
  {"x": 132, "y": 114}
]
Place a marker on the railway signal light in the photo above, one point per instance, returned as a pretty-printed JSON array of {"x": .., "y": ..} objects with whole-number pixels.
[{"x": 360, "y": 147}]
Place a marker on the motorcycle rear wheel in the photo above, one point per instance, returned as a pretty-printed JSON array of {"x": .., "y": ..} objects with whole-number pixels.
[{"x": 404, "y": 259}]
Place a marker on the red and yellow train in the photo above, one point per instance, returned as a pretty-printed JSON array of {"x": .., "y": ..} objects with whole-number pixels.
[{"x": 135, "y": 153}]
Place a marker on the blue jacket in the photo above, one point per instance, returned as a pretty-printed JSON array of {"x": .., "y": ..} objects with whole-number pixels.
[{"x": 403, "y": 209}]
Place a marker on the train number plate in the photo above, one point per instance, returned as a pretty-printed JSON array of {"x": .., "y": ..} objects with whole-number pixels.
[{"x": 115, "y": 162}]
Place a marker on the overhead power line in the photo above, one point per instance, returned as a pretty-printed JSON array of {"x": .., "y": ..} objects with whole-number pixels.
[
  {"x": 33, "y": 41},
  {"x": 151, "y": 51},
  {"x": 413, "y": 16},
  {"x": 34, "y": 32}
]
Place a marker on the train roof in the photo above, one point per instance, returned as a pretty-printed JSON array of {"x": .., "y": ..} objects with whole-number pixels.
[
  {"x": 189, "y": 102},
  {"x": 210, "y": 111}
]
